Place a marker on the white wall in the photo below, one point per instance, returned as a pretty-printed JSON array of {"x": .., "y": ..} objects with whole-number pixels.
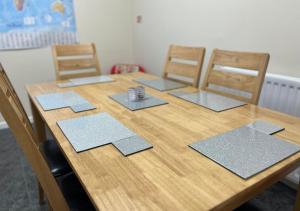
[
  {"x": 249, "y": 25},
  {"x": 107, "y": 23}
]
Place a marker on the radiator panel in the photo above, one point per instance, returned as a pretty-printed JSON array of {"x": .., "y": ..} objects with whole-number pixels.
[{"x": 282, "y": 94}]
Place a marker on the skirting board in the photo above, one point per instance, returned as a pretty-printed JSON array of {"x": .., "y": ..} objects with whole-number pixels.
[{"x": 3, "y": 124}]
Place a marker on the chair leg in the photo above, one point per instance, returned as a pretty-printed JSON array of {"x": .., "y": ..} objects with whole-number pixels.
[
  {"x": 297, "y": 204},
  {"x": 41, "y": 194},
  {"x": 50, "y": 208}
]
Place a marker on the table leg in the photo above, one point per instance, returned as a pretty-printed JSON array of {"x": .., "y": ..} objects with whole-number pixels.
[
  {"x": 39, "y": 126},
  {"x": 297, "y": 205}
]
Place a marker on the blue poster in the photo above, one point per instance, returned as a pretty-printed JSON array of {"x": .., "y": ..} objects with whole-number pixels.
[{"x": 36, "y": 23}]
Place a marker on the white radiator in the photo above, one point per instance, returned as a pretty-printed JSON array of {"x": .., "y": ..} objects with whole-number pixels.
[{"x": 281, "y": 93}]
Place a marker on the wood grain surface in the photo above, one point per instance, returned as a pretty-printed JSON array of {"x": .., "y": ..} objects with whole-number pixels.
[{"x": 171, "y": 176}]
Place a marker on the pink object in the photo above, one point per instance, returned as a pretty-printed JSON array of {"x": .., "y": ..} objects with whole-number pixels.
[{"x": 126, "y": 68}]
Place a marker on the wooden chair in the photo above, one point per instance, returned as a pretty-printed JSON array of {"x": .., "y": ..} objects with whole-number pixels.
[
  {"x": 249, "y": 80},
  {"x": 184, "y": 62},
  {"x": 57, "y": 163},
  {"x": 15, "y": 116},
  {"x": 75, "y": 61}
]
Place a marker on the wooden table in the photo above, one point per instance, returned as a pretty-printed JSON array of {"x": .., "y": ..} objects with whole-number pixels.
[{"x": 171, "y": 176}]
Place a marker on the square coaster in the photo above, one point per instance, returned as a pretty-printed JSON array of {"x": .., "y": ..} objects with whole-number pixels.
[
  {"x": 161, "y": 84},
  {"x": 93, "y": 131},
  {"x": 265, "y": 127},
  {"x": 212, "y": 101},
  {"x": 178, "y": 93},
  {"x": 148, "y": 102},
  {"x": 60, "y": 100},
  {"x": 82, "y": 107},
  {"x": 132, "y": 145},
  {"x": 245, "y": 151}
]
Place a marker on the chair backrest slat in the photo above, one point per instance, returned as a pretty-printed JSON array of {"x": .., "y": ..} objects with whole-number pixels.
[
  {"x": 220, "y": 72},
  {"x": 15, "y": 116},
  {"x": 184, "y": 62},
  {"x": 12, "y": 90},
  {"x": 247, "y": 82},
  {"x": 74, "y": 61}
]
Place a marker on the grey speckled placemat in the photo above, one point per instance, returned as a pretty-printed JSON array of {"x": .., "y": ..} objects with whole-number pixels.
[
  {"x": 63, "y": 100},
  {"x": 245, "y": 151},
  {"x": 161, "y": 84},
  {"x": 132, "y": 145},
  {"x": 148, "y": 102},
  {"x": 265, "y": 127},
  {"x": 209, "y": 100},
  {"x": 93, "y": 131},
  {"x": 86, "y": 81},
  {"x": 82, "y": 107}
]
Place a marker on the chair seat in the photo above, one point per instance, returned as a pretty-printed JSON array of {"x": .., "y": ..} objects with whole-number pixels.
[
  {"x": 74, "y": 193},
  {"x": 55, "y": 159}
]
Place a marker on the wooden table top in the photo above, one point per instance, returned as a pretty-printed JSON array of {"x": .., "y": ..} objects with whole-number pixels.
[{"x": 171, "y": 176}]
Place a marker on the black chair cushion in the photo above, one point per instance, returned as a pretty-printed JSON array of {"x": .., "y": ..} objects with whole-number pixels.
[
  {"x": 55, "y": 159},
  {"x": 74, "y": 193},
  {"x": 248, "y": 206}
]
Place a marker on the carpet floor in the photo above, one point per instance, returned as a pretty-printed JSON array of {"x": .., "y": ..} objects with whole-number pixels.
[{"x": 18, "y": 185}]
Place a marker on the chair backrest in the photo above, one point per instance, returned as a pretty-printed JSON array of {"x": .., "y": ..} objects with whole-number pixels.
[
  {"x": 75, "y": 61},
  {"x": 241, "y": 72},
  {"x": 15, "y": 116},
  {"x": 14, "y": 95},
  {"x": 184, "y": 64}
]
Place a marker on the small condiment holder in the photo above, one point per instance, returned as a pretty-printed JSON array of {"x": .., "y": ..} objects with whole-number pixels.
[{"x": 136, "y": 94}]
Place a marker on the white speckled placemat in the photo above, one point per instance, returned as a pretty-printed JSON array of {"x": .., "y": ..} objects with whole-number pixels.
[
  {"x": 93, "y": 131},
  {"x": 161, "y": 84},
  {"x": 132, "y": 145},
  {"x": 148, "y": 102},
  {"x": 73, "y": 100},
  {"x": 86, "y": 81},
  {"x": 209, "y": 100},
  {"x": 265, "y": 127},
  {"x": 245, "y": 151},
  {"x": 82, "y": 107}
]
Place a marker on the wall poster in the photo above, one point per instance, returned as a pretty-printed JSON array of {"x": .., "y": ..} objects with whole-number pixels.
[{"x": 36, "y": 23}]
